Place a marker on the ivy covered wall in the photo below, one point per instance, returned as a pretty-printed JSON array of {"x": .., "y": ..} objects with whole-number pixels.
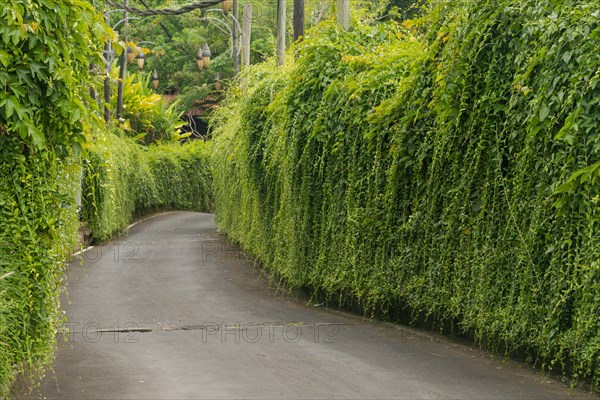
[
  {"x": 42, "y": 119},
  {"x": 46, "y": 112},
  {"x": 446, "y": 168},
  {"x": 123, "y": 179}
]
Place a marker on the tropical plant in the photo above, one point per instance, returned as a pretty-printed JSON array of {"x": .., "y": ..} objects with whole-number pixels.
[
  {"x": 45, "y": 56},
  {"x": 445, "y": 168},
  {"x": 123, "y": 179},
  {"x": 146, "y": 114}
]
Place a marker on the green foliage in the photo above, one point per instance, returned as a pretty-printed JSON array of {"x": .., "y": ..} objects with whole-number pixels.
[
  {"x": 166, "y": 123},
  {"x": 123, "y": 179},
  {"x": 176, "y": 39},
  {"x": 447, "y": 167},
  {"x": 147, "y": 115},
  {"x": 370, "y": 11},
  {"x": 174, "y": 43},
  {"x": 44, "y": 83},
  {"x": 47, "y": 49},
  {"x": 193, "y": 95},
  {"x": 37, "y": 229},
  {"x": 44, "y": 105}
]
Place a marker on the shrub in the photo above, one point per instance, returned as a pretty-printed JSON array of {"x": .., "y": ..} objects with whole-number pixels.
[
  {"x": 37, "y": 230},
  {"x": 123, "y": 179},
  {"x": 147, "y": 115},
  {"x": 43, "y": 113},
  {"x": 448, "y": 167}
]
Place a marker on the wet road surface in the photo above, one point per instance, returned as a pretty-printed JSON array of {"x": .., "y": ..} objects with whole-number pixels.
[{"x": 172, "y": 311}]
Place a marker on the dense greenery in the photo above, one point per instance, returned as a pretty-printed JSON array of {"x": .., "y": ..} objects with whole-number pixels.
[
  {"x": 44, "y": 83},
  {"x": 42, "y": 118},
  {"x": 147, "y": 116},
  {"x": 447, "y": 167},
  {"x": 123, "y": 179},
  {"x": 37, "y": 229},
  {"x": 176, "y": 39},
  {"x": 46, "y": 112}
]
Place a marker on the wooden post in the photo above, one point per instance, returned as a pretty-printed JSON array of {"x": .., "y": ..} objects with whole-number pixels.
[
  {"x": 281, "y": 9},
  {"x": 235, "y": 38},
  {"x": 298, "y": 19},
  {"x": 246, "y": 32},
  {"x": 343, "y": 13}
]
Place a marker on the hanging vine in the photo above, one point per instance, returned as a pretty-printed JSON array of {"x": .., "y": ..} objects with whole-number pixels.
[{"x": 447, "y": 167}]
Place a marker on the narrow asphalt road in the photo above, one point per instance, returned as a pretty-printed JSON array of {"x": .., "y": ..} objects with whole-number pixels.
[{"x": 172, "y": 311}]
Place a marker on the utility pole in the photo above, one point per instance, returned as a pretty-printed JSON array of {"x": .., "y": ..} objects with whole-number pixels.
[
  {"x": 122, "y": 68},
  {"x": 343, "y": 13},
  {"x": 281, "y": 9},
  {"x": 235, "y": 37},
  {"x": 298, "y": 19},
  {"x": 246, "y": 32},
  {"x": 107, "y": 56}
]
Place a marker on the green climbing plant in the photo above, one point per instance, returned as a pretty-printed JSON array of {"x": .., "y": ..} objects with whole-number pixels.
[
  {"x": 45, "y": 83},
  {"x": 123, "y": 179},
  {"x": 445, "y": 168},
  {"x": 46, "y": 49}
]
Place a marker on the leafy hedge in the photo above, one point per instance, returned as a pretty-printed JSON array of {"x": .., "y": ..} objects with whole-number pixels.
[
  {"x": 44, "y": 81},
  {"x": 448, "y": 167},
  {"x": 47, "y": 49},
  {"x": 38, "y": 225},
  {"x": 43, "y": 114},
  {"x": 123, "y": 179}
]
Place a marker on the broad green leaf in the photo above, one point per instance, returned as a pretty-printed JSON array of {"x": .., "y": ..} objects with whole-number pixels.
[
  {"x": 4, "y": 58},
  {"x": 544, "y": 110}
]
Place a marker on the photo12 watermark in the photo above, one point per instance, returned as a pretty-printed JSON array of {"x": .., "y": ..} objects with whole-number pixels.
[
  {"x": 209, "y": 332},
  {"x": 118, "y": 253}
]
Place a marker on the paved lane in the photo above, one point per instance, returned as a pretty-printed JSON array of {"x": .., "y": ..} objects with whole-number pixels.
[{"x": 170, "y": 310}]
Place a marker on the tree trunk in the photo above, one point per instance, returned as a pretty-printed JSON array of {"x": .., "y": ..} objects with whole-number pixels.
[
  {"x": 246, "y": 34},
  {"x": 298, "y": 19},
  {"x": 281, "y": 9},
  {"x": 343, "y": 13}
]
